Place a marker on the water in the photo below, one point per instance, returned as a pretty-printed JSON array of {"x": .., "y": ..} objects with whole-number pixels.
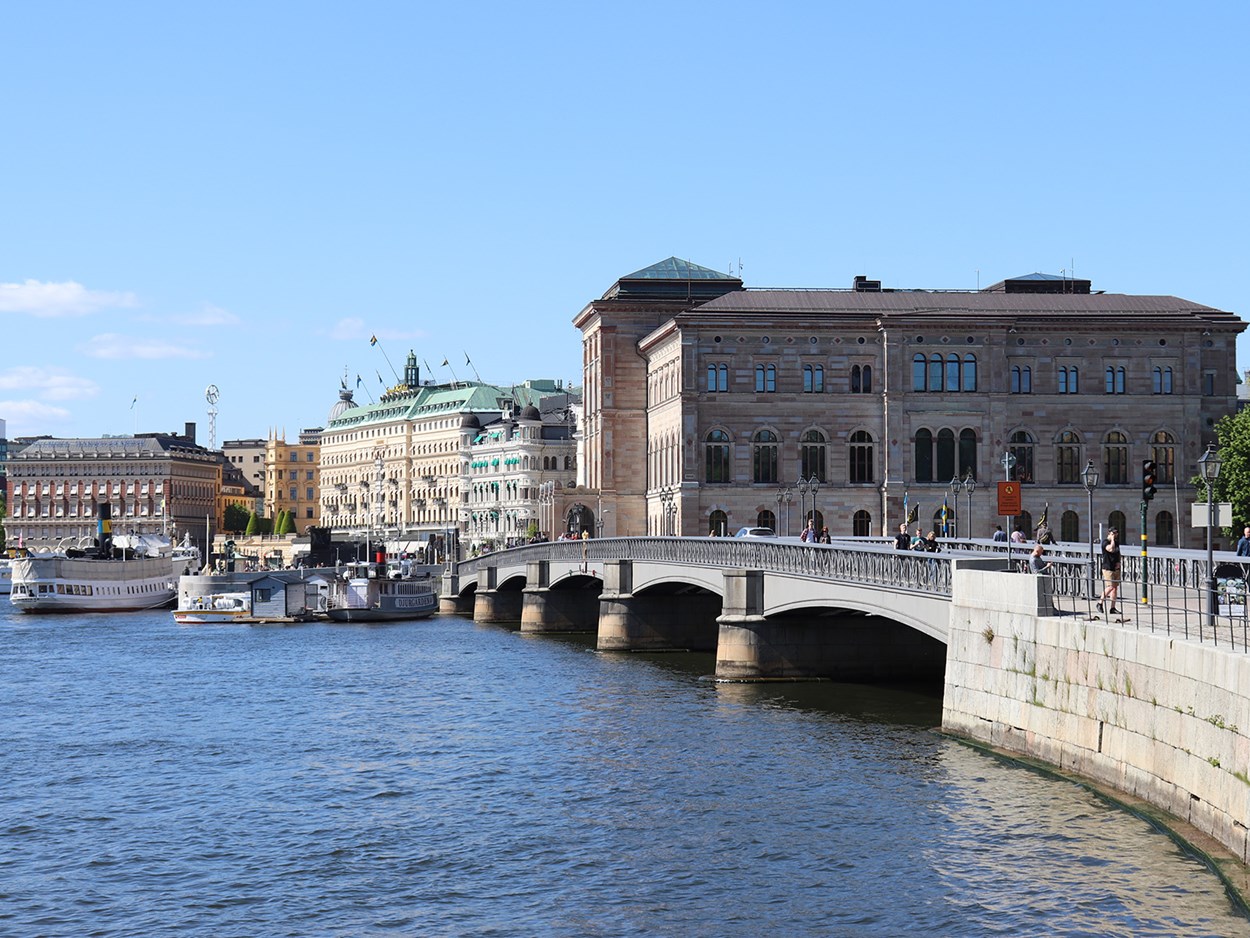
[{"x": 442, "y": 778}]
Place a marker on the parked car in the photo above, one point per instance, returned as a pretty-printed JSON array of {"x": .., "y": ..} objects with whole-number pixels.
[{"x": 756, "y": 532}]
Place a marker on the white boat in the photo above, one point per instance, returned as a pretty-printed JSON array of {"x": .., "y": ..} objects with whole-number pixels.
[
  {"x": 219, "y": 607},
  {"x": 6, "y": 576},
  {"x": 360, "y": 594},
  {"x": 111, "y": 574}
]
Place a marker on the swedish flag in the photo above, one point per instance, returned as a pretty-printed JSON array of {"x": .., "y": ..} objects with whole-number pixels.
[{"x": 373, "y": 340}]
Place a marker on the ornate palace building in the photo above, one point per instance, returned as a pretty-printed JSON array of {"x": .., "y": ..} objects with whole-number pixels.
[
  {"x": 728, "y": 407},
  {"x": 407, "y": 468},
  {"x": 154, "y": 481}
]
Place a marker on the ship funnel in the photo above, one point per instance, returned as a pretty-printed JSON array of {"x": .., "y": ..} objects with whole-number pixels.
[{"x": 104, "y": 529}]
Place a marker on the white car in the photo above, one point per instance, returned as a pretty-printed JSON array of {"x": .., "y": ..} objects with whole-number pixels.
[{"x": 756, "y": 532}]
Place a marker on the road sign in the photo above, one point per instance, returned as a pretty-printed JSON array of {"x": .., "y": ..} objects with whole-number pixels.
[{"x": 1009, "y": 498}]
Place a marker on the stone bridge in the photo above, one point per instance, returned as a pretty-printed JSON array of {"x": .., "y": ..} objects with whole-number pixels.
[{"x": 768, "y": 609}]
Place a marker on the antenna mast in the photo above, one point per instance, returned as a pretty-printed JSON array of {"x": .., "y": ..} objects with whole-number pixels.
[{"x": 211, "y": 394}]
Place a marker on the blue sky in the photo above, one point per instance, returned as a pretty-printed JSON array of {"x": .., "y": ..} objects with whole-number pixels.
[{"x": 242, "y": 193}]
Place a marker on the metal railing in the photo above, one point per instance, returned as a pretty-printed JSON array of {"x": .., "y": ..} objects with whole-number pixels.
[{"x": 1178, "y": 600}]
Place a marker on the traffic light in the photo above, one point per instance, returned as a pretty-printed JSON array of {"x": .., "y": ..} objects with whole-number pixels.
[{"x": 1147, "y": 479}]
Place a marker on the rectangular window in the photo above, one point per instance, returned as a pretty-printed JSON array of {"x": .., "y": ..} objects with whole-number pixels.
[{"x": 1208, "y": 384}]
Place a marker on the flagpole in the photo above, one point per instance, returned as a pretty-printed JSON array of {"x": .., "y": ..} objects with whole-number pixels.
[
  {"x": 373, "y": 340},
  {"x": 469, "y": 363}
]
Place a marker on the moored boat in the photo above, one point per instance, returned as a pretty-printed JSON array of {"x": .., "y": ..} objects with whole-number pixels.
[
  {"x": 6, "y": 576},
  {"x": 222, "y": 607},
  {"x": 362, "y": 593},
  {"x": 112, "y": 574}
]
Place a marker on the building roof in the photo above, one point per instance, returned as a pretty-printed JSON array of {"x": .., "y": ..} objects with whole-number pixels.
[
  {"x": 909, "y": 304},
  {"x": 674, "y": 268},
  {"x": 462, "y": 398},
  {"x": 146, "y": 446}
]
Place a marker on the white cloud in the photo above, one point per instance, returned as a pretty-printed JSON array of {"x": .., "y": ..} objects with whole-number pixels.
[
  {"x": 352, "y": 328},
  {"x": 29, "y": 418},
  {"x": 35, "y": 298},
  {"x": 209, "y": 315},
  {"x": 50, "y": 384},
  {"x": 114, "y": 346}
]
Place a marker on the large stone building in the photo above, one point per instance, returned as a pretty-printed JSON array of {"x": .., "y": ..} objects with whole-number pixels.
[
  {"x": 731, "y": 407},
  {"x": 249, "y": 457},
  {"x": 400, "y": 468},
  {"x": 293, "y": 478},
  {"x": 155, "y": 482}
]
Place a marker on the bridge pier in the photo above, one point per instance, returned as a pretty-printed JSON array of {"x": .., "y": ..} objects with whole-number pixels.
[
  {"x": 652, "y": 622},
  {"x": 848, "y": 647},
  {"x": 561, "y": 610},
  {"x": 493, "y": 605},
  {"x": 450, "y": 602}
]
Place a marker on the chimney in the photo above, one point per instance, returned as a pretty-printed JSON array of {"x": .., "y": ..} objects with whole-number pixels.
[{"x": 189, "y": 433}]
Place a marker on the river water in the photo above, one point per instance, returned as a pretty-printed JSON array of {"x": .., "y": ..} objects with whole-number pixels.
[{"x": 442, "y": 778}]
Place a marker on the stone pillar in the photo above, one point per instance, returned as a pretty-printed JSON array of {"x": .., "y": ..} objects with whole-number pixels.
[
  {"x": 555, "y": 610},
  {"x": 491, "y": 604},
  {"x": 450, "y": 602},
  {"x": 741, "y": 651}
]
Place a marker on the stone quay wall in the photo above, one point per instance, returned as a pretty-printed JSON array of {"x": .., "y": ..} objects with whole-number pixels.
[{"x": 1155, "y": 716}]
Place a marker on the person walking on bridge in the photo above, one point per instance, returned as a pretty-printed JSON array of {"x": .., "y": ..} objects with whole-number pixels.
[{"x": 1110, "y": 570}]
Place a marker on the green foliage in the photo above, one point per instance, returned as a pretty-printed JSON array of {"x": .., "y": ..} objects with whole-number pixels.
[
  {"x": 253, "y": 526},
  {"x": 236, "y": 518},
  {"x": 264, "y": 525},
  {"x": 286, "y": 523},
  {"x": 1233, "y": 483}
]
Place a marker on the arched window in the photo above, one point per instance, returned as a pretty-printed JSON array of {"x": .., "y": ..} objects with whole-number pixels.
[
  {"x": 766, "y": 519},
  {"x": 917, "y": 372},
  {"x": 952, "y": 373},
  {"x": 765, "y": 379},
  {"x": 1165, "y": 529},
  {"x": 970, "y": 372},
  {"x": 1021, "y": 379},
  {"x": 717, "y": 377},
  {"x": 716, "y": 457},
  {"x": 813, "y": 379},
  {"x": 945, "y": 454},
  {"x": 764, "y": 457},
  {"x": 967, "y": 453},
  {"x": 861, "y": 379},
  {"x": 1068, "y": 380},
  {"x": 1024, "y": 522},
  {"x": 718, "y": 521},
  {"x": 924, "y": 455},
  {"x": 1021, "y": 446},
  {"x": 935, "y": 372},
  {"x": 1162, "y": 380},
  {"x": 1163, "y": 452},
  {"x": 861, "y": 524},
  {"x": 1115, "y": 459},
  {"x": 1069, "y": 526},
  {"x": 1116, "y": 520},
  {"x": 861, "y": 457},
  {"x": 1115, "y": 380},
  {"x": 1068, "y": 458},
  {"x": 812, "y": 455}
]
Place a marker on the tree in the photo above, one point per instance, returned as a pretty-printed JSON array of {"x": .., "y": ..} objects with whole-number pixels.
[
  {"x": 236, "y": 518},
  {"x": 286, "y": 523},
  {"x": 1233, "y": 483}
]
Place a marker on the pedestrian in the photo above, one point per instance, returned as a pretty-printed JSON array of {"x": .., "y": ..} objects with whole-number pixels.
[
  {"x": 1017, "y": 536},
  {"x": 931, "y": 543},
  {"x": 999, "y": 534},
  {"x": 917, "y": 540},
  {"x": 712, "y": 533},
  {"x": 824, "y": 535},
  {"x": 1043, "y": 534},
  {"x": 1037, "y": 560},
  {"x": 902, "y": 540},
  {"x": 1110, "y": 570},
  {"x": 809, "y": 533},
  {"x": 1243, "y": 545}
]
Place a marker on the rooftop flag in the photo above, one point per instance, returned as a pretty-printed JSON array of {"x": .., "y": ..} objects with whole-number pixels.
[
  {"x": 133, "y": 402},
  {"x": 373, "y": 340}
]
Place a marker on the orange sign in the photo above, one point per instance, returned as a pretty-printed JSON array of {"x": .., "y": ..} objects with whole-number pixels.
[{"x": 1009, "y": 498}]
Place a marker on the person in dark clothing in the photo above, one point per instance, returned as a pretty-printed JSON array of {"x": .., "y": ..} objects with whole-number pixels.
[
  {"x": 999, "y": 533},
  {"x": 1110, "y": 570},
  {"x": 931, "y": 543},
  {"x": 902, "y": 540},
  {"x": 1243, "y": 545}
]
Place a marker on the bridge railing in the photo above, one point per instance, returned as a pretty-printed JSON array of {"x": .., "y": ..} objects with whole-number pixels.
[
  {"x": 1179, "y": 601},
  {"x": 871, "y": 564}
]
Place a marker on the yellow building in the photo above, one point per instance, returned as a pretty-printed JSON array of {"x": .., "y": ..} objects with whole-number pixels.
[{"x": 293, "y": 478}]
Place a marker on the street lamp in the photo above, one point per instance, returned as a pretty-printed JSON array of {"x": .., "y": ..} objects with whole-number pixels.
[
  {"x": 1209, "y": 463},
  {"x": 815, "y": 484},
  {"x": 804, "y": 487},
  {"x": 957, "y": 486},
  {"x": 970, "y": 486},
  {"x": 1089, "y": 479}
]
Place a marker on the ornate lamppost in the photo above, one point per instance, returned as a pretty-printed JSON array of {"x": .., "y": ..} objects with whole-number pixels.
[
  {"x": 957, "y": 486},
  {"x": 804, "y": 487},
  {"x": 970, "y": 486},
  {"x": 1209, "y": 463},
  {"x": 815, "y": 486},
  {"x": 1089, "y": 479}
]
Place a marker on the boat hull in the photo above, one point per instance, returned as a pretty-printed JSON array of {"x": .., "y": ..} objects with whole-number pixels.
[
  {"x": 381, "y": 600},
  {"x": 81, "y": 584}
]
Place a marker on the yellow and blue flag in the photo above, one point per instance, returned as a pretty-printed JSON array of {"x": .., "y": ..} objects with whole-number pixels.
[{"x": 373, "y": 340}]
